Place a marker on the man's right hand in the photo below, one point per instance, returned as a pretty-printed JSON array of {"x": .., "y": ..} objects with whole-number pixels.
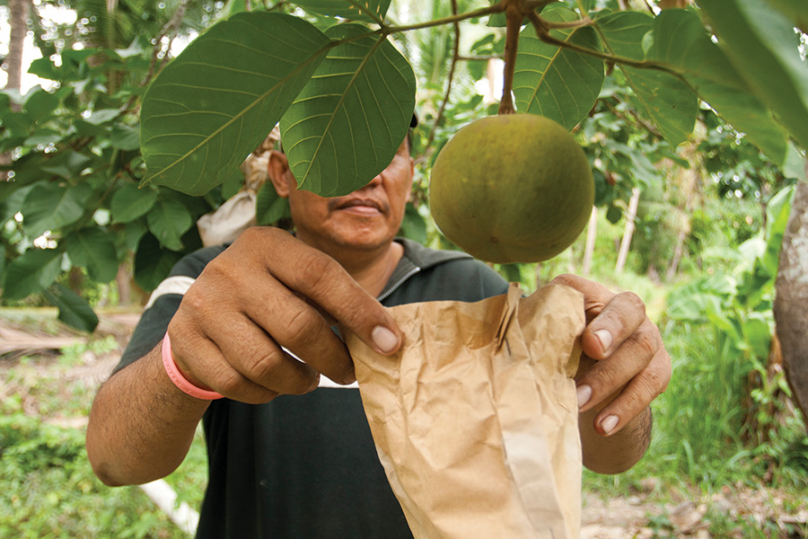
[{"x": 266, "y": 291}]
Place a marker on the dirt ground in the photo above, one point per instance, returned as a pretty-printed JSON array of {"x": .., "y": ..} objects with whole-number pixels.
[{"x": 37, "y": 336}]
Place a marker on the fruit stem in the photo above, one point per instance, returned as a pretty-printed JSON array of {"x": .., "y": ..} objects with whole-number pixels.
[{"x": 514, "y": 17}]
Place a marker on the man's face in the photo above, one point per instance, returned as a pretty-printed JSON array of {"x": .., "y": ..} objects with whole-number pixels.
[{"x": 366, "y": 219}]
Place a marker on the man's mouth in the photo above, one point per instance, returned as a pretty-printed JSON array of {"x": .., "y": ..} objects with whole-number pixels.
[{"x": 362, "y": 206}]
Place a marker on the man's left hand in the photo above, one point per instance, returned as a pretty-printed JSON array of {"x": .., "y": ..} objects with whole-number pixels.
[{"x": 624, "y": 365}]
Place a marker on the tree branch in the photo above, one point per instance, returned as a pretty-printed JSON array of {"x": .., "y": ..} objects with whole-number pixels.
[
  {"x": 543, "y": 34},
  {"x": 499, "y": 7}
]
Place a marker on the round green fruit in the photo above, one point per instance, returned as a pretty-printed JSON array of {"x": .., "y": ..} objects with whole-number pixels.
[{"x": 512, "y": 188}]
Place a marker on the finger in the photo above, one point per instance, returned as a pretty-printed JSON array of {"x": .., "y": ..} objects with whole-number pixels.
[
  {"x": 605, "y": 377},
  {"x": 254, "y": 355},
  {"x": 320, "y": 278},
  {"x": 210, "y": 369},
  {"x": 636, "y": 396},
  {"x": 611, "y": 318},
  {"x": 296, "y": 325},
  {"x": 616, "y": 323}
]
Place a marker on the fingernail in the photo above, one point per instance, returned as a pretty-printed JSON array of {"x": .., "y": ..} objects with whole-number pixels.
[
  {"x": 584, "y": 394},
  {"x": 605, "y": 338},
  {"x": 384, "y": 339},
  {"x": 609, "y": 423}
]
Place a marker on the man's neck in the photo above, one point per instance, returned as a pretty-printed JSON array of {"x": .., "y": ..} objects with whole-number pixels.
[
  {"x": 370, "y": 268},
  {"x": 373, "y": 273}
]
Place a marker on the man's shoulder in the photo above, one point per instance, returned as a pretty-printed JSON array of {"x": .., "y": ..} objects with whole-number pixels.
[
  {"x": 426, "y": 257},
  {"x": 191, "y": 265}
]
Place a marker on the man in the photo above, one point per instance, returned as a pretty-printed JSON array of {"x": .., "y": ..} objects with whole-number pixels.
[{"x": 290, "y": 451}]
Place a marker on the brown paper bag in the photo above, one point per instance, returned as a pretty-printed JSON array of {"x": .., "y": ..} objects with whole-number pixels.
[{"x": 476, "y": 419}]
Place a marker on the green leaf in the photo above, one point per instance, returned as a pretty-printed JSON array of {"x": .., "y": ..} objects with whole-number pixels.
[
  {"x": 660, "y": 96},
  {"x": 31, "y": 272},
  {"x": 13, "y": 204},
  {"x": 216, "y": 102},
  {"x": 73, "y": 309},
  {"x": 18, "y": 123},
  {"x": 795, "y": 164},
  {"x": 348, "y": 122},
  {"x": 92, "y": 248},
  {"x": 761, "y": 44},
  {"x": 130, "y": 202},
  {"x": 413, "y": 226},
  {"x": 153, "y": 263},
  {"x": 757, "y": 334},
  {"x": 778, "y": 211},
  {"x": 50, "y": 207},
  {"x": 795, "y": 10},
  {"x": 357, "y": 10},
  {"x": 269, "y": 207},
  {"x": 679, "y": 40},
  {"x": 44, "y": 136},
  {"x": 556, "y": 82},
  {"x": 40, "y": 104},
  {"x": 133, "y": 231},
  {"x": 44, "y": 68},
  {"x": 67, "y": 164},
  {"x": 99, "y": 117},
  {"x": 124, "y": 137},
  {"x": 614, "y": 214},
  {"x": 168, "y": 221}
]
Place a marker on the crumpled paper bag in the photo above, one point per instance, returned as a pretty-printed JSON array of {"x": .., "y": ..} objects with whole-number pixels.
[{"x": 476, "y": 420}]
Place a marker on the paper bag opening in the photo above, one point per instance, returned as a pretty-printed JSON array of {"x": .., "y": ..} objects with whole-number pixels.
[{"x": 475, "y": 420}]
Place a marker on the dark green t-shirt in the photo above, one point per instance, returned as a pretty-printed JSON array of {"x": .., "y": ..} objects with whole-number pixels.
[{"x": 305, "y": 467}]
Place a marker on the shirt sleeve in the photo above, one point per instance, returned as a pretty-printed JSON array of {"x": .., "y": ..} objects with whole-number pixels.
[{"x": 163, "y": 304}]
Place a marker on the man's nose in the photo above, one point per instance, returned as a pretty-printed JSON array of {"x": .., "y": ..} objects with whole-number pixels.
[{"x": 375, "y": 182}]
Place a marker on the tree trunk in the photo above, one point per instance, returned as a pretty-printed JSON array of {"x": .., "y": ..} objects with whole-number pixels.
[
  {"x": 591, "y": 236},
  {"x": 629, "y": 231},
  {"x": 791, "y": 302},
  {"x": 18, "y": 21}
]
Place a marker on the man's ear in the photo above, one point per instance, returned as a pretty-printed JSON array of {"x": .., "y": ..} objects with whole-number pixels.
[{"x": 277, "y": 167}]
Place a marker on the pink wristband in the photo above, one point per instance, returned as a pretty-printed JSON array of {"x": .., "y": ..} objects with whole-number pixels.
[{"x": 179, "y": 380}]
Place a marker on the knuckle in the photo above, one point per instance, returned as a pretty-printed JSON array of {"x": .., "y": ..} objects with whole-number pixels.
[
  {"x": 194, "y": 303},
  {"x": 300, "y": 326},
  {"x": 316, "y": 270},
  {"x": 607, "y": 377},
  {"x": 263, "y": 366},
  {"x": 229, "y": 383},
  {"x": 647, "y": 342},
  {"x": 634, "y": 301}
]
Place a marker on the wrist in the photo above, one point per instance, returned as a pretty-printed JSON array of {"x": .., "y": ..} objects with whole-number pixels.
[{"x": 179, "y": 379}]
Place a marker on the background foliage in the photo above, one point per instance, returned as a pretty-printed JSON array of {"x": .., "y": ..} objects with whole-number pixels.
[{"x": 700, "y": 111}]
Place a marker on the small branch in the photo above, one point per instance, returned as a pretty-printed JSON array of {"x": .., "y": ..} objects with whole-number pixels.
[
  {"x": 514, "y": 18},
  {"x": 580, "y": 23},
  {"x": 171, "y": 26},
  {"x": 545, "y": 36},
  {"x": 88, "y": 216},
  {"x": 480, "y": 58},
  {"x": 496, "y": 8},
  {"x": 455, "y": 57},
  {"x": 278, "y": 6},
  {"x": 636, "y": 118}
]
